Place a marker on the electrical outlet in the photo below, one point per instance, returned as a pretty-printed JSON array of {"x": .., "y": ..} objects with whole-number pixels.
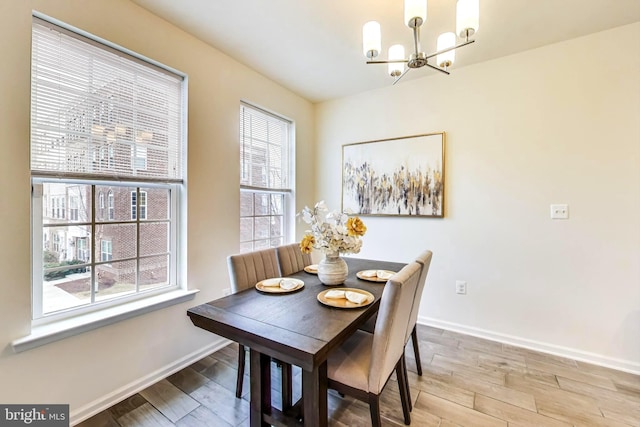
[
  {"x": 461, "y": 287},
  {"x": 559, "y": 211}
]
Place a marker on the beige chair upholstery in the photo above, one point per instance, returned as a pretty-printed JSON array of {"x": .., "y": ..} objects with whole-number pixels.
[
  {"x": 245, "y": 270},
  {"x": 424, "y": 259},
  {"x": 291, "y": 259},
  {"x": 362, "y": 365}
]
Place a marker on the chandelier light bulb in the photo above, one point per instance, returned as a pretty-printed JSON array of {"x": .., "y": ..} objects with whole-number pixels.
[
  {"x": 396, "y": 52},
  {"x": 415, "y": 12},
  {"x": 467, "y": 17},
  {"x": 445, "y": 41},
  {"x": 371, "y": 39}
]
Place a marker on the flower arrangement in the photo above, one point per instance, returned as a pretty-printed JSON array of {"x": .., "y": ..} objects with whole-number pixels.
[{"x": 331, "y": 232}]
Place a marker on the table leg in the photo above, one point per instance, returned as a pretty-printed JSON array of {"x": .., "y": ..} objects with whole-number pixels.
[
  {"x": 260, "y": 387},
  {"x": 314, "y": 396},
  {"x": 287, "y": 385}
]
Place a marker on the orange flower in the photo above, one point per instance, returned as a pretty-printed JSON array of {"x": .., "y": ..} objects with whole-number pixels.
[
  {"x": 306, "y": 245},
  {"x": 355, "y": 227}
]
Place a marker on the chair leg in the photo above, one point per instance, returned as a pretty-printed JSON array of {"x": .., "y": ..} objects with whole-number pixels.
[
  {"x": 406, "y": 380},
  {"x": 402, "y": 385},
  {"x": 287, "y": 386},
  {"x": 374, "y": 409},
  {"x": 416, "y": 349},
  {"x": 241, "y": 358}
]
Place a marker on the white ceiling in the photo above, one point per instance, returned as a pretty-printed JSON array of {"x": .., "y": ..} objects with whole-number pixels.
[{"x": 314, "y": 47}]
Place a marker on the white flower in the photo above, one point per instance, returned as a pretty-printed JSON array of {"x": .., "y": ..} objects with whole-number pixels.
[
  {"x": 307, "y": 217},
  {"x": 329, "y": 230}
]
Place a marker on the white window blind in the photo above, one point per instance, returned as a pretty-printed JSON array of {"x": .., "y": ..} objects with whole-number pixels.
[
  {"x": 107, "y": 169},
  {"x": 266, "y": 196},
  {"x": 264, "y": 149},
  {"x": 101, "y": 112}
]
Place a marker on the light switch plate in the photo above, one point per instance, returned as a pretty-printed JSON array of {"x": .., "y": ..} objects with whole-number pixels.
[{"x": 559, "y": 211}]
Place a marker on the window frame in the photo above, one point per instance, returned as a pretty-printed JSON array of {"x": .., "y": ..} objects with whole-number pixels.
[
  {"x": 175, "y": 268},
  {"x": 287, "y": 192},
  {"x": 176, "y": 223}
]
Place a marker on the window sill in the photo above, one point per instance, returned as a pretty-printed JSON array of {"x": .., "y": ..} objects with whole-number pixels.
[{"x": 44, "y": 334}]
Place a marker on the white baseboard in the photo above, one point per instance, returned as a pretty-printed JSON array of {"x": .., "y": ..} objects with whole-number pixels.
[
  {"x": 99, "y": 405},
  {"x": 583, "y": 356}
]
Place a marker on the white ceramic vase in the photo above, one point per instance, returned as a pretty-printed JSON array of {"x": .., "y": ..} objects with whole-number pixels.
[{"x": 332, "y": 270}]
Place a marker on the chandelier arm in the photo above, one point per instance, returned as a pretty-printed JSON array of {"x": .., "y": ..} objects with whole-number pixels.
[
  {"x": 437, "y": 68},
  {"x": 397, "y": 61},
  {"x": 401, "y": 76},
  {"x": 449, "y": 49}
]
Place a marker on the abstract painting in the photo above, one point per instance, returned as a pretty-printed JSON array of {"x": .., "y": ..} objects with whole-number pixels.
[{"x": 400, "y": 176}]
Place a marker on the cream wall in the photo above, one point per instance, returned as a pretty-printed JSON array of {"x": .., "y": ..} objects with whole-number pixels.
[
  {"x": 97, "y": 368},
  {"x": 559, "y": 124}
]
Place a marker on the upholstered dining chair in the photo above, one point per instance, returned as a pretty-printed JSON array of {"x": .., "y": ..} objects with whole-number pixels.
[
  {"x": 291, "y": 259},
  {"x": 424, "y": 259},
  {"x": 245, "y": 270},
  {"x": 362, "y": 365}
]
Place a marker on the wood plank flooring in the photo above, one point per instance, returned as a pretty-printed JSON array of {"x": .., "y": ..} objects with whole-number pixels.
[{"x": 467, "y": 381}]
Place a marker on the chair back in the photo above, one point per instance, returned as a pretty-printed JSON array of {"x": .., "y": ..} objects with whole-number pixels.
[
  {"x": 291, "y": 259},
  {"x": 393, "y": 318},
  {"x": 424, "y": 259},
  {"x": 245, "y": 270}
]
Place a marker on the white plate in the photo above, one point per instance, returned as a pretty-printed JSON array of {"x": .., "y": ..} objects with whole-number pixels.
[
  {"x": 343, "y": 302},
  {"x": 272, "y": 286},
  {"x": 366, "y": 275},
  {"x": 312, "y": 269}
]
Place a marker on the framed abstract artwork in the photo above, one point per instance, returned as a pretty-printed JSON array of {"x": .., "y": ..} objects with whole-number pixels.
[{"x": 398, "y": 176}]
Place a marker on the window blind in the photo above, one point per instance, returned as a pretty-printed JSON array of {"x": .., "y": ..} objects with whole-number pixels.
[
  {"x": 264, "y": 149},
  {"x": 100, "y": 113}
]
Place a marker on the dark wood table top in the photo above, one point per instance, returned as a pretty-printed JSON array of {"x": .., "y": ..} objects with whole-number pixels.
[{"x": 292, "y": 327}]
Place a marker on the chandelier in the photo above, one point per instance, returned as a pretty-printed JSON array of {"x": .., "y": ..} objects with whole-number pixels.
[{"x": 415, "y": 14}]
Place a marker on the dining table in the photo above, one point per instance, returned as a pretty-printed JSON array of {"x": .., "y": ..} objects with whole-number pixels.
[{"x": 292, "y": 327}]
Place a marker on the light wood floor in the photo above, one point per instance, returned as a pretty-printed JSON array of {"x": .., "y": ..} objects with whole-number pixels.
[{"x": 466, "y": 381}]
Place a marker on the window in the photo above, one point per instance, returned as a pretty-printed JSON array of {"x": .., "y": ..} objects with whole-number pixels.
[
  {"x": 56, "y": 242},
  {"x": 58, "y": 206},
  {"x": 111, "y": 206},
  {"x": 106, "y": 250},
  {"x": 106, "y": 160},
  {"x": 100, "y": 212},
  {"x": 139, "y": 157},
  {"x": 73, "y": 208},
  {"x": 82, "y": 251},
  {"x": 266, "y": 193},
  {"x": 105, "y": 124},
  {"x": 143, "y": 205}
]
